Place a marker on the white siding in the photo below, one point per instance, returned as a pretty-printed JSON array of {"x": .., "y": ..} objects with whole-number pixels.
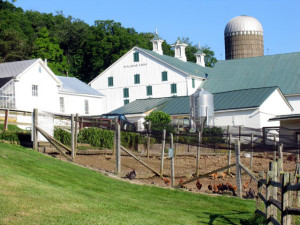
[
  {"x": 150, "y": 70},
  {"x": 295, "y": 102},
  {"x": 76, "y": 104},
  {"x": 47, "y": 99}
]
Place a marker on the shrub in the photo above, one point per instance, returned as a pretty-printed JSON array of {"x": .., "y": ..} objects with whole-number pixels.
[
  {"x": 96, "y": 137},
  {"x": 63, "y": 136},
  {"x": 159, "y": 121},
  {"x": 15, "y": 136},
  {"x": 212, "y": 135}
]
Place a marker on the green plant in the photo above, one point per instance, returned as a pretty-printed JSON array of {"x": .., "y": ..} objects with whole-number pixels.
[
  {"x": 212, "y": 135},
  {"x": 159, "y": 121},
  {"x": 63, "y": 136},
  {"x": 96, "y": 137},
  {"x": 15, "y": 136}
]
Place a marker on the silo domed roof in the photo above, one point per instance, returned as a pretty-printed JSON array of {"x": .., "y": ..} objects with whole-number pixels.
[{"x": 243, "y": 24}]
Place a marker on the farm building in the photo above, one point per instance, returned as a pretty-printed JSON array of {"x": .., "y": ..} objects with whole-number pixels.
[
  {"x": 248, "y": 107},
  {"x": 29, "y": 84},
  {"x": 142, "y": 73}
]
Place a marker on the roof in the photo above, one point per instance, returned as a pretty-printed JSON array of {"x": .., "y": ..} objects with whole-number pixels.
[
  {"x": 241, "y": 99},
  {"x": 13, "y": 69},
  {"x": 286, "y": 117},
  {"x": 189, "y": 68},
  {"x": 282, "y": 70},
  {"x": 75, "y": 86},
  {"x": 243, "y": 23}
]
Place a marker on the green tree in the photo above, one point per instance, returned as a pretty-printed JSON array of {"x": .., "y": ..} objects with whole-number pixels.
[
  {"x": 46, "y": 47},
  {"x": 159, "y": 121}
]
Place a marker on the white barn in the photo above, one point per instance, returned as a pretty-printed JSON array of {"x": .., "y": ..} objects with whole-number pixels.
[
  {"x": 29, "y": 84},
  {"x": 141, "y": 74}
]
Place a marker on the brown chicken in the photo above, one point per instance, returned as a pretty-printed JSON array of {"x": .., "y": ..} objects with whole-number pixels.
[
  {"x": 245, "y": 185},
  {"x": 223, "y": 175},
  {"x": 216, "y": 190},
  {"x": 214, "y": 176},
  {"x": 181, "y": 185},
  {"x": 198, "y": 184},
  {"x": 232, "y": 188},
  {"x": 167, "y": 181}
]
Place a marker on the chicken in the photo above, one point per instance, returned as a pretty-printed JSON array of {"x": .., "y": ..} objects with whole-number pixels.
[
  {"x": 232, "y": 189},
  {"x": 250, "y": 194},
  {"x": 181, "y": 185},
  {"x": 131, "y": 175},
  {"x": 216, "y": 190},
  {"x": 223, "y": 187},
  {"x": 166, "y": 180},
  {"x": 292, "y": 158},
  {"x": 198, "y": 184},
  {"x": 223, "y": 175},
  {"x": 245, "y": 185},
  {"x": 210, "y": 187},
  {"x": 214, "y": 176}
]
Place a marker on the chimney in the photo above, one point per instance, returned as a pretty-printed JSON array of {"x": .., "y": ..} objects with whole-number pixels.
[
  {"x": 179, "y": 48},
  {"x": 200, "y": 57},
  {"x": 157, "y": 41}
]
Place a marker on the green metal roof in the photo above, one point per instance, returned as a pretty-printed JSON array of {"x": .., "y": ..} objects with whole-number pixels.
[
  {"x": 286, "y": 117},
  {"x": 248, "y": 98},
  {"x": 186, "y": 67},
  {"x": 281, "y": 70}
]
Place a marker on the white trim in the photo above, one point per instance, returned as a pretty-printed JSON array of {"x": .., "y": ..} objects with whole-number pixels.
[
  {"x": 77, "y": 94},
  {"x": 232, "y": 110}
]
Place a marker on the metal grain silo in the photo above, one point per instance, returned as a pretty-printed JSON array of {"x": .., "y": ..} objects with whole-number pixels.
[
  {"x": 243, "y": 38},
  {"x": 201, "y": 108}
]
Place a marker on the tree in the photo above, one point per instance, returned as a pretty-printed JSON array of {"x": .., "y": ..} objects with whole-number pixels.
[
  {"x": 159, "y": 121},
  {"x": 46, "y": 47}
]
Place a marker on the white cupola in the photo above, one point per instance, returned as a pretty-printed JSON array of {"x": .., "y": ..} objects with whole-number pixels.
[
  {"x": 179, "y": 48},
  {"x": 157, "y": 41},
  {"x": 200, "y": 57}
]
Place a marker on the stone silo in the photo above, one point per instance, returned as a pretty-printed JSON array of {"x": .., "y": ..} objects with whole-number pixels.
[{"x": 243, "y": 38}]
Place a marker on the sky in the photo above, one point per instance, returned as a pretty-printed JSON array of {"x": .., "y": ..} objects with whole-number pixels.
[{"x": 202, "y": 21}]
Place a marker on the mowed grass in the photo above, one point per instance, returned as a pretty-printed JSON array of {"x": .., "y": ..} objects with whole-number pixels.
[{"x": 36, "y": 189}]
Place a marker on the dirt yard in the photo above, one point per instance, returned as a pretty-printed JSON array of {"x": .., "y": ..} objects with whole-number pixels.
[{"x": 185, "y": 166}]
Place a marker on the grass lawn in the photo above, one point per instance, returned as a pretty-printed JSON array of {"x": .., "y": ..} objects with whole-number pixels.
[{"x": 36, "y": 189}]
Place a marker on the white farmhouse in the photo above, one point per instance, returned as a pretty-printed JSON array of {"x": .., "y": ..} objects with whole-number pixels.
[
  {"x": 141, "y": 74},
  {"x": 29, "y": 84}
]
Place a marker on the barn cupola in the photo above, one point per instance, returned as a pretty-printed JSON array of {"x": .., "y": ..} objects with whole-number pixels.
[
  {"x": 157, "y": 41},
  {"x": 179, "y": 48},
  {"x": 200, "y": 57}
]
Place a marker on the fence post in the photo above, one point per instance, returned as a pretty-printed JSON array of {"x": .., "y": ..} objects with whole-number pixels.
[
  {"x": 198, "y": 153},
  {"x": 115, "y": 136},
  {"x": 251, "y": 153},
  {"x": 229, "y": 152},
  {"x": 76, "y": 131},
  {"x": 34, "y": 131},
  {"x": 149, "y": 139},
  {"x": 238, "y": 168},
  {"x": 259, "y": 188},
  {"x": 6, "y": 119},
  {"x": 280, "y": 155},
  {"x": 163, "y": 152},
  {"x": 240, "y": 132},
  {"x": 269, "y": 193},
  {"x": 172, "y": 162},
  {"x": 72, "y": 138},
  {"x": 285, "y": 219},
  {"x": 274, "y": 152},
  {"x": 118, "y": 149},
  {"x": 273, "y": 168},
  {"x": 298, "y": 181}
]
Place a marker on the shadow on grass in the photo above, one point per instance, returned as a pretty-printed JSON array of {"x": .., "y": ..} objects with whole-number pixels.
[{"x": 232, "y": 218}]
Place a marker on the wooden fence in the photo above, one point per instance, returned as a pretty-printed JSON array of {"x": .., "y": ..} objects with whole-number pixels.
[{"x": 278, "y": 206}]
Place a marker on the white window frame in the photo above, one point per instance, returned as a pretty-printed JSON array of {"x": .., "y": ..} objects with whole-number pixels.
[
  {"x": 34, "y": 90},
  {"x": 62, "y": 104},
  {"x": 86, "y": 106}
]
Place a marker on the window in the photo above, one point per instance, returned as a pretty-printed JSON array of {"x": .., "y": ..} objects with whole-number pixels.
[
  {"x": 173, "y": 89},
  {"x": 62, "y": 104},
  {"x": 34, "y": 90},
  {"x": 149, "y": 90},
  {"x": 86, "y": 106},
  {"x": 164, "y": 76},
  {"x": 136, "y": 57},
  {"x": 126, "y": 101},
  {"x": 193, "y": 83},
  {"x": 125, "y": 92},
  {"x": 136, "y": 78},
  {"x": 110, "y": 81}
]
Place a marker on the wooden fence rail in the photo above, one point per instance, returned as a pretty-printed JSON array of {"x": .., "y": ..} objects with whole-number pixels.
[{"x": 286, "y": 205}]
